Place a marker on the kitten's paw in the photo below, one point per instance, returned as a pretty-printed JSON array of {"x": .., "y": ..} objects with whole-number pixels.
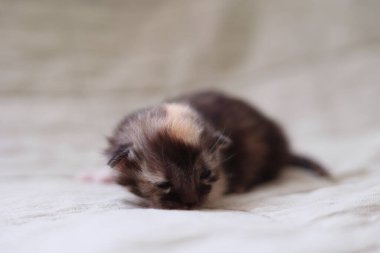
[{"x": 103, "y": 176}]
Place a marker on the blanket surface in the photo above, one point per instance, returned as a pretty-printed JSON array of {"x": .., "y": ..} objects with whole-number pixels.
[{"x": 70, "y": 70}]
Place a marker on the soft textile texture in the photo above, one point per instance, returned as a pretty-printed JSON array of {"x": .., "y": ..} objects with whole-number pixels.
[{"x": 69, "y": 70}]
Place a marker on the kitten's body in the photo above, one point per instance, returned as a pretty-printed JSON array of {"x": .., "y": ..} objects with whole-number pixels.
[
  {"x": 258, "y": 149},
  {"x": 198, "y": 147}
]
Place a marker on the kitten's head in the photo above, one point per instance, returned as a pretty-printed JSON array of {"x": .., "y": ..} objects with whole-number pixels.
[{"x": 173, "y": 160}]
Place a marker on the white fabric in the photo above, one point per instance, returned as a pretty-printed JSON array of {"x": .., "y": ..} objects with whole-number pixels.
[{"x": 69, "y": 70}]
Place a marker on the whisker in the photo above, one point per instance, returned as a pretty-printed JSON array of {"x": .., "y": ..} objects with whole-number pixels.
[
  {"x": 228, "y": 158},
  {"x": 215, "y": 144}
]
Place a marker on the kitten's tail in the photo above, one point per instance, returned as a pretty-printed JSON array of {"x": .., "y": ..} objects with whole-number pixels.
[{"x": 309, "y": 164}]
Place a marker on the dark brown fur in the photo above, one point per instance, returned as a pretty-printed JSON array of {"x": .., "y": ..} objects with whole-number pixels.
[{"x": 259, "y": 149}]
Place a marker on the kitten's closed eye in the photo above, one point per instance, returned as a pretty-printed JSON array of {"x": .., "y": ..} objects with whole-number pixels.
[
  {"x": 164, "y": 186},
  {"x": 206, "y": 174}
]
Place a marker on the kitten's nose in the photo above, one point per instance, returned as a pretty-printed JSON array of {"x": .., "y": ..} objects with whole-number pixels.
[
  {"x": 189, "y": 199},
  {"x": 189, "y": 206}
]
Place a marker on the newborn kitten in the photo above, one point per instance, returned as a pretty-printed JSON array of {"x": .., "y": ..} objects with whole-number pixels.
[{"x": 195, "y": 148}]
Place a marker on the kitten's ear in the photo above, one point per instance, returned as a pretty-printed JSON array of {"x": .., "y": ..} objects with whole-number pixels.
[
  {"x": 123, "y": 152},
  {"x": 221, "y": 141}
]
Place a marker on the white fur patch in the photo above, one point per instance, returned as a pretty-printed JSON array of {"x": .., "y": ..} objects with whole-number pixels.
[
  {"x": 151, "y": 177},
  {"x": 180, "y": 122}
]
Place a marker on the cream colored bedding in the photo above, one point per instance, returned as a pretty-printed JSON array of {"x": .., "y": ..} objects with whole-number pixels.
[{"x": 69, "y": 70}]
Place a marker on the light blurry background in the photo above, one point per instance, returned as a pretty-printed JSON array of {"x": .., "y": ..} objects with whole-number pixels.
[{"x": 69, "y": 70}]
